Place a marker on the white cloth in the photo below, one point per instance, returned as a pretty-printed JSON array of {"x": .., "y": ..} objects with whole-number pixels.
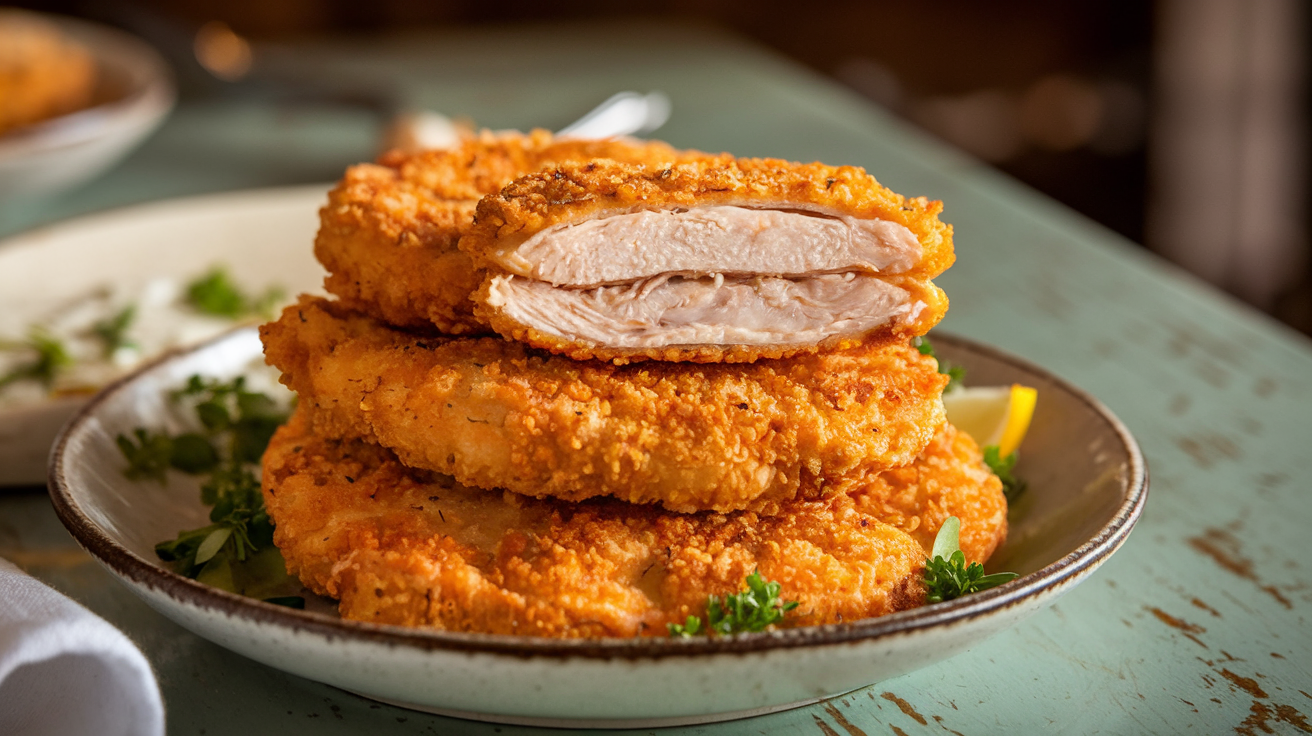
[{"x": 64, "y": 671}]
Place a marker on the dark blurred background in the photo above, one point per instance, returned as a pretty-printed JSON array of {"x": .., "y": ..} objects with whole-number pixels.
[{"x": 1181, "y": 124}]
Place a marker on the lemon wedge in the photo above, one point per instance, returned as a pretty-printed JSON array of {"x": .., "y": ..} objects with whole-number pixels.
[{"x": 992, "y": 415}]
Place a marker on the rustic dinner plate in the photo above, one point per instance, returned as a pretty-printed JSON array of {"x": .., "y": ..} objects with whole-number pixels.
[{"x": 1087, "y": 486}]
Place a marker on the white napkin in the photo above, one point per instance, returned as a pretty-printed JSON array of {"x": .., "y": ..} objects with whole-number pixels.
[{"x": 65, "y": 671}]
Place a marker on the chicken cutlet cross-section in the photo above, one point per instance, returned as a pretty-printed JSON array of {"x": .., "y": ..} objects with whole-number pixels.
[
  {"x": 388, "y": 234},
  {"x": 401, "y": 546},
  {"x": 499, "y": 414},
  {"x": 718, "y": 259}
]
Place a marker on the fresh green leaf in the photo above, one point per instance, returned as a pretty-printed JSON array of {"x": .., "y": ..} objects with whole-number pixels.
[
  {"x": 193, "y": 453},
  {"x": 49, "y": 357},
  {"x": 947, "y": 576},
  {"x": 149, "y": 457},
  {"x": 956, "y": 374},
  {"x": 235, "y": 552},
  {"x": 947, "y": 540},
  {"x": 112, "y": 331},
  {"x": 290, "y": 601},
  {"x": 213, "y": 415},
  {"x": 215, "y": 293},
  {"x": 688, "y": 629},
  {"x": 754, "y": 609},
  {"x": 1002, "y": 467},
  {"x": 212, "y": 544}
]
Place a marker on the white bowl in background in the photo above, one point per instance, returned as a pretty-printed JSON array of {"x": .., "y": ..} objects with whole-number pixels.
[{"x": 135, "y": 91}]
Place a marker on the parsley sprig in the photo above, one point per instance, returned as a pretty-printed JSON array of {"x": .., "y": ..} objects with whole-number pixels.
[
  {"x": 235, "y": 551},
  {"x": 946, "y": 574},
  {"x": 214, "y": 292},
  {"x": 48, "y": 358},
  {"x": 113, "y": 330},
  {"x": 754, "y": 609},
  {"x": 1002, "y": 467},
  {"x": 956, "y": 374}
]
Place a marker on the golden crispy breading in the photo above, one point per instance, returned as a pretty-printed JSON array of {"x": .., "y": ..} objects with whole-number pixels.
[
  {"x": 575, "y": 192},
  {"x": 948, "y": 479},
  {"x": 388, "y": 233},
  {"x": 497, "y": 414},
  {"x": 414, "y": 548}
]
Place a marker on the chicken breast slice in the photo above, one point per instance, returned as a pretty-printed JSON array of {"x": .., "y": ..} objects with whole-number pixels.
[{"x": 715, "y": 260}]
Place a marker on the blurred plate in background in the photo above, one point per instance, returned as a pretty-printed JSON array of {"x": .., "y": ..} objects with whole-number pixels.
[
  {"x": 134, "y": 93},
  {"x": 262, "y": 237}
]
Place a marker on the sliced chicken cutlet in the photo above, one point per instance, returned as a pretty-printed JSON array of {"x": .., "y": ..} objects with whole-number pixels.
[
  {"x": 389, "y": 231},
  {"x": 717, "y": 259},
  {"x": 498, "y": 414}
]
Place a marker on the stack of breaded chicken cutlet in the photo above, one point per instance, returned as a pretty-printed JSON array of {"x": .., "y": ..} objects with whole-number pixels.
[{"x": 574, "y": 388}]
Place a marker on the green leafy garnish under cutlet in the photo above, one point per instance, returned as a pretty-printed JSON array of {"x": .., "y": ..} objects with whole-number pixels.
[
  {"x": 754, "y": 609},
  {"x": 946, "y": 574}
]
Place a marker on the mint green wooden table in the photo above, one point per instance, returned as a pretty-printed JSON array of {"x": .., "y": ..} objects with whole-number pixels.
[{"x": 1199, "y": 624}]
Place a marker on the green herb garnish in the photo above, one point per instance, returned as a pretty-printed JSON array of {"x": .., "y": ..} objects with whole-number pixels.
[
  {"x": 148, "y": 457},
  {"x": 48, "y": 359},
  {"x": 216, "y": 293},
  {"x": 112, "y": 331},
  {"x": 754, "y": 609},
  {"x": 956, "y": 374},
  {"x": 946, "y": 574},
  {"x": 1002, "y": 467},
  {"x": 247, "y": 419},
  {"x": 235, "y": 551}
]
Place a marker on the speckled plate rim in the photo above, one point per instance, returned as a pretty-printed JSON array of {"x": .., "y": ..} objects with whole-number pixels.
[{"x": 1051, "y": 577}]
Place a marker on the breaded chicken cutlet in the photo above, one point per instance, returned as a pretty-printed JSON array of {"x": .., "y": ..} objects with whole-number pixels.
[
  {"x": 692, "y": 437},
  {"x": 388, "y": 234},
  {"x": 402, "y": 546},
  {"x": 710, "y": 260}
]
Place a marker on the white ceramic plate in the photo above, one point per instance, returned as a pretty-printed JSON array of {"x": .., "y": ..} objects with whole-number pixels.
[
  {"x": 263, "y": 237},
  {"x": 134, "y": 92},
  {"x": 1088, "y": 483}
]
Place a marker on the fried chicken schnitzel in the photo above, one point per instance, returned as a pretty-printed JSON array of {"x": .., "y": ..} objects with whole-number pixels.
[
  {"x": 710, "y": 260},
  {"x": 389, "y": 231},
  {"x": 497, "y": 414},
  {"x": 416, "y": 548},
  {"x": 948, "y": 479}
]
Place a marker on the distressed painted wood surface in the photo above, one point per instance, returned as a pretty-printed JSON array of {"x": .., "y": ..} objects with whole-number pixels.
[{"x": 1197, "y": 625}]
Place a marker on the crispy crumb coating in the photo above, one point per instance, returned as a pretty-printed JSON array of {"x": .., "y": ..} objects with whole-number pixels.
[
  {"x": 577, "y": 191},
  {"x": 414, "y": 548},
  {"x": 497, "y": 414},
  {"x": 389, "y": 231},
  {"x": 948, "y": 479}
]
